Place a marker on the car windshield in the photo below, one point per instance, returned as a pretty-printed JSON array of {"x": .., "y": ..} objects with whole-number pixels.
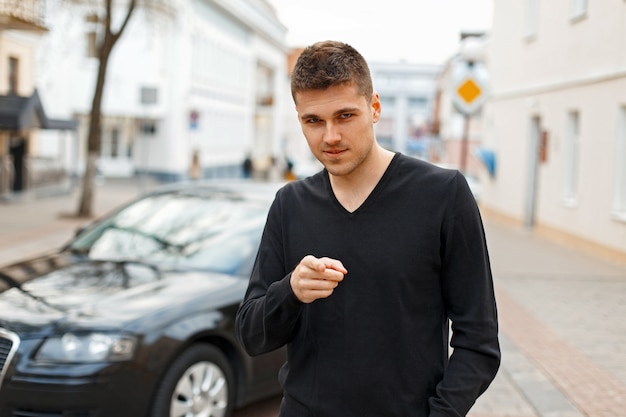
[{"x": 180, "y": 231}]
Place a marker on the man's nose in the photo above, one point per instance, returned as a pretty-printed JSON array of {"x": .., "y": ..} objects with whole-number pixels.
[{"x": 332, "y": 135}]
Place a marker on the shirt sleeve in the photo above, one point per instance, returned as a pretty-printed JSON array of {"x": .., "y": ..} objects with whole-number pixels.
[
  {"x": 268, "y": 316},
  {"x": 467, "y": 288}
]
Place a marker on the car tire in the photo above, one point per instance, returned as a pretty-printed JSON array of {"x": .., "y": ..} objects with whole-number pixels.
[{"x": 199, "y": 382}]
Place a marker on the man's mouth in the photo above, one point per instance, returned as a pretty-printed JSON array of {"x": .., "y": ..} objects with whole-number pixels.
[{"x": 334, "y": 152}]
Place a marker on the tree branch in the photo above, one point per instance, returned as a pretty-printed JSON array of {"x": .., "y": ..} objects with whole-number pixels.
[{"x": 129, "y": 12}]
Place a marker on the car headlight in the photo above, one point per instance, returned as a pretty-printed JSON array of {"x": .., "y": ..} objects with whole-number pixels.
[{"x": 91, "y": 347}]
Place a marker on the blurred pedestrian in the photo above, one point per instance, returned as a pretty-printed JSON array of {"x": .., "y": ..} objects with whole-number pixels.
[
  {"x": 275, "y": 170},
  {"x": 247, "y": 167},
  {"x": 195, "y": 170},
  {"x": 289, "y": 175},
  {"x": 362, "y": 266}
]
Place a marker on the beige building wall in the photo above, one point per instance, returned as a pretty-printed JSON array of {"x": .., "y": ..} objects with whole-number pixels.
[
  {"x": 548, "y": 66},
  {"x": 20, "y": 46}
]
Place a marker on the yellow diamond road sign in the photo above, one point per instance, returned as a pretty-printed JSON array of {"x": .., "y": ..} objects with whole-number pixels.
[
  {"x": 469, "y": 91},
  {"x": 468, "y": 86}
]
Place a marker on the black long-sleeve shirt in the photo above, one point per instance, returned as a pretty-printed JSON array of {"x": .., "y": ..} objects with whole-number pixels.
[{"x": 416, "y": 257}]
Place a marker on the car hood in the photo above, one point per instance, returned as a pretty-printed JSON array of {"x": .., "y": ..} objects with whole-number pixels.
[{"x": 74, "y": 291}]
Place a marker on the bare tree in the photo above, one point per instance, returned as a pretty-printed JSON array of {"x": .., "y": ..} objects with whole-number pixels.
[{"x": 109, "y": 40}]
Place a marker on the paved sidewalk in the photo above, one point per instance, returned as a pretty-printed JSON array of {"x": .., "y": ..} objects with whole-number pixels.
[
  {"x": 561, "y": 317},
  {"x": 561, "y": 311}
]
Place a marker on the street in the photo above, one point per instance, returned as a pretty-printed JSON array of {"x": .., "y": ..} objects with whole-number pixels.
[
  {"x": 265, "y": 408},
  {"x": 561, "y": 312}
]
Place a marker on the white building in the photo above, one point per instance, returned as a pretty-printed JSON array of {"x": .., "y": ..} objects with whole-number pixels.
[
  {"x": 556, "y": 120},
  {"x": 406, "y": 91},
  {"x": 187, "y": 77}
]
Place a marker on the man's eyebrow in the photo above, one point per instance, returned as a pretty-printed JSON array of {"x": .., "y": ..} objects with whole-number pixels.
[
  {"x": 346, "y": 110},
  {"x": 336, "y": 113},
  {"x": 308, "y": 116}
]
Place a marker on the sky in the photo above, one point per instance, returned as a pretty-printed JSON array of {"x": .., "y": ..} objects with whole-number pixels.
[{"x": 416, "y": 31}]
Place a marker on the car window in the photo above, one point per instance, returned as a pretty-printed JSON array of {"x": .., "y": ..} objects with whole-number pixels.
[{"x": 180, "y": 231}]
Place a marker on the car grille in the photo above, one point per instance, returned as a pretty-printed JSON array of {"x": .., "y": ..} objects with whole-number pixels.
[{"x": 9, "y": 342}]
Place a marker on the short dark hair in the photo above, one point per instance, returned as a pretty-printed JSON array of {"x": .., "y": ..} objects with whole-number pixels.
[{"x": 329, "y": 63}]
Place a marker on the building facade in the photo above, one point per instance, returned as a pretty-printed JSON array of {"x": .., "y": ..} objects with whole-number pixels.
[
  {"x": 22, "y": 115},
  {"x": 556, "y": 119},
  {"x": 192, "y": 87},
  {"x": 407, "y": 92}
]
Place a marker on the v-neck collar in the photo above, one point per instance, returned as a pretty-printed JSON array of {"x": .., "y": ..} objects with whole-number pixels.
[{"x": 370, "y": 197}]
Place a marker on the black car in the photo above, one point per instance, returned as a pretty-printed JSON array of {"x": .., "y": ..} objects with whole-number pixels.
[{"x": 136, "y": 315}]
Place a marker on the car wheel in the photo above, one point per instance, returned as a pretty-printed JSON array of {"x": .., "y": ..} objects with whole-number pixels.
[{"x": 199, "y": 383}]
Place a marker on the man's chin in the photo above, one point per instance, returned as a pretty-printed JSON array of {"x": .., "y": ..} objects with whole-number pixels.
[{"x": 338, "y": 170}]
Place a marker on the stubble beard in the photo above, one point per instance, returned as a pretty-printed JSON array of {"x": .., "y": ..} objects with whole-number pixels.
[{"x": 349, "y": 166}]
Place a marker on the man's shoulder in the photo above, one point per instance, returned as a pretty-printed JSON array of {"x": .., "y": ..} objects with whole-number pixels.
[
  {"x": 423, "y": 180},
  {"x": 302, "y": 187},
  {"x": 424, "y": 169}
]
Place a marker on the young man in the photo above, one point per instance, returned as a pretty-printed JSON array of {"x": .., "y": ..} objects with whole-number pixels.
[{"x": 362, "y": 265}]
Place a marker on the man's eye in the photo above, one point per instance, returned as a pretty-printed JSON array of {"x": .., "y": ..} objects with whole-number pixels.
[
  {"x": 345, "y": 115},
  {"x": 312, "y": 120}
]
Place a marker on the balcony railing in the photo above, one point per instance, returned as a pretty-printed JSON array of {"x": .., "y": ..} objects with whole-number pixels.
[{"x": 22, "y": 15}]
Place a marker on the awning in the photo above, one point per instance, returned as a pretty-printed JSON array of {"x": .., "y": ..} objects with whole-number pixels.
[
  {"x": 488, "y": 158},
  {"x": 24, "y": 113}
]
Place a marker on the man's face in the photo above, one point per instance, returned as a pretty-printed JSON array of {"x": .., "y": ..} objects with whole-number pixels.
[{"x": 338, "y": 124}]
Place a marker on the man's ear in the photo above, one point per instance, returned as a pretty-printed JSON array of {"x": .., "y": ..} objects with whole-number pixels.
[{"x": 376, "y": 107}]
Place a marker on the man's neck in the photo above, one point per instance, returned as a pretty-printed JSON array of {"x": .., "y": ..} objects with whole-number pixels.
[{"x": 352, "y": 190}]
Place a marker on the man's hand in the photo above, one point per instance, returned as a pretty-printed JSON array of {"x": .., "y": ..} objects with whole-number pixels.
[{"x": 316, "y": 278}]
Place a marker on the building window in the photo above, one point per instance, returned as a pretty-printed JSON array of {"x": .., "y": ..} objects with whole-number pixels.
[
  {"x": 115, "y": 142},
  {"x": 148, "y": 128},
  {"x": 264, "y": 85},
  {"x": 619, "y": 205},
  {"x": 92, "y": 35},
  {"x": 92, "y": 45},
  {"x": 148, "y": 95},
  {"x": 418, "y": 102},
  {"x": 578, "y": 9},
  {"x": 570, "y": 162},
  {"x": 388, "y": 102},
  {"x": 14, "y": 69},
  {"x": 532, "y": 18},
  {"x": 111, "y": 145}
]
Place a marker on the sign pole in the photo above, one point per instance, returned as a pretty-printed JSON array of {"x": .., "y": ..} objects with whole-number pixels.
[
  {"x": 465, "y": 144},
  {"x": 469, "y": 81}
]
